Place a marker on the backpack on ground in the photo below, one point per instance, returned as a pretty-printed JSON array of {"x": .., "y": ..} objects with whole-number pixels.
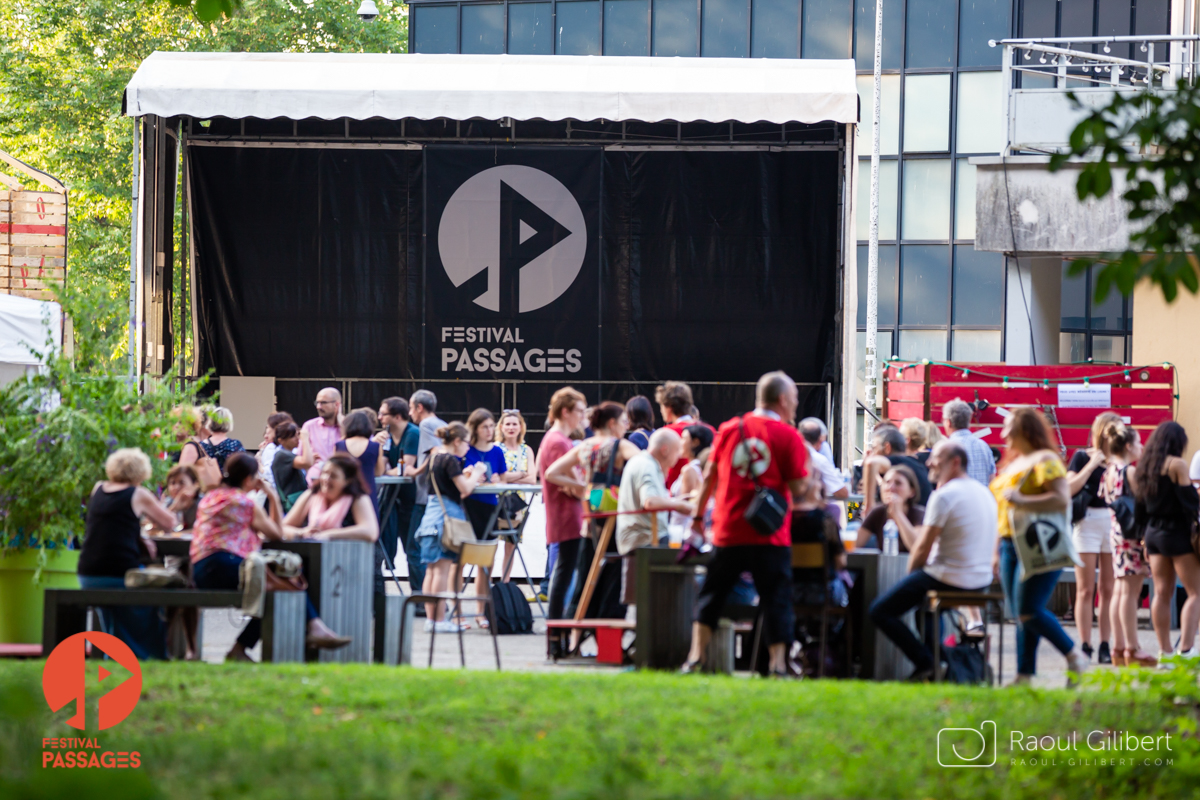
[{"x": 511, "y": 609}]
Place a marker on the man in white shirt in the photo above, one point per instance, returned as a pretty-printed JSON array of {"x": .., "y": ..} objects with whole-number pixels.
[
  {"x": 643, "y": 486},
  {"x": 953, "y": 551},
  {"x": 813, "y": 431}
]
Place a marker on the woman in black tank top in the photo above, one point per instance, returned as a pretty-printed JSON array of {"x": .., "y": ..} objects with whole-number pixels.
[{"x": 111, "y": 548}]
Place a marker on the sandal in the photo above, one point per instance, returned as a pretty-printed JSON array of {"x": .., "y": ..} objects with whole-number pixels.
[{"x": 483, "y": 623}]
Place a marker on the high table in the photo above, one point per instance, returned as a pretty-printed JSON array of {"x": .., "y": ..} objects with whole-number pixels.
[
  {"x": 875, "y": 574},
  {"x": 511, "y": 534},
  {"x": 341, "y": 582}
]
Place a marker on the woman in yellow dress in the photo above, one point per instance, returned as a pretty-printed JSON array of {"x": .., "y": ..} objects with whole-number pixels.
[{"x": 1033, "y": 479}]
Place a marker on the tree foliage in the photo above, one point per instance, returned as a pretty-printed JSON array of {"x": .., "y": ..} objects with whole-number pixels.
[
  {"x": 64, "y": 66},
  {"x": 1155, "y": 138}
]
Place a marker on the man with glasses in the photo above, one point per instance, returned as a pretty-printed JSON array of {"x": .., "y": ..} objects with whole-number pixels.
[{"x": 324, "y": 431}]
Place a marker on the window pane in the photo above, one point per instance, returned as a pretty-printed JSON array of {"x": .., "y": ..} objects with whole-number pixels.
[
  {"x": 776, "y": 31},
  {"x": 578, "y": 29},
  {"x": 827, "y": 26},
  {"x": 1108, "y": 348},
  {"x": 1108, "y": 315},
  {"x": 930, "y": 41},
  {"x": 915, "y": 345},
  {"x": 964, "y": 201},
  {"x": 726, "y": 29},
  {"x": 864, "y": 35},
  {"x": 676, "y": 28},
  {"x": 926, "y": 199},
  {"x": 883, "y": 350},
  {"x": 1153, "y": 17},
  {"x": 483, "y": 28},
  {"x": 886, "y": 297},
  {"x": 889, "y": 114},
  {"x": 980, "y": 112},
  {"x": 530, "y": 29},
  {"x": 1038, "y": 18},
  {"x": 436, "y": 29},
  {"x": 924, "y": 284},
  {"x": 1076, "y": 17},
  {"x": 887, "y": 200},
  {"x": 1072, "y": 348},
  {"x": 1074, "y": 299},
  {"x": 926, "y": 113},
  {"x": 978, "y": 286},
  {"x": 626, "y": 27},
  {"x": 979, "y": 21},
  {"x": 976, "y": 346},
  {"x": 1113, "y": 20}
]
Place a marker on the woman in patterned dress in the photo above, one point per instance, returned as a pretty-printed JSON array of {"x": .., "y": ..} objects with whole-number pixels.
[{"x": 1128, "y": 555}]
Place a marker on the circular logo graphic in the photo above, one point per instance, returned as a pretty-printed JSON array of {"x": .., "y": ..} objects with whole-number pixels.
[
  {"x": 751, "y": 458},
  {"x": 64, "y": 678},
  {"x": 1042, "y": 531},
  {"x": 523, "y": 227}
]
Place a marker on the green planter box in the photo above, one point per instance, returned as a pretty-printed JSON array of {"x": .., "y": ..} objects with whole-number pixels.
[{"x": 21, "y": 597}]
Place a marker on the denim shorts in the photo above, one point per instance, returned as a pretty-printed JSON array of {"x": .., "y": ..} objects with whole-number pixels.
[{"x": 429, "y": 533}]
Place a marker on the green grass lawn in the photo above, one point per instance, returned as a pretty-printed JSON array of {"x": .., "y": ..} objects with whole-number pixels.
[{"x": 365, "y": 731}]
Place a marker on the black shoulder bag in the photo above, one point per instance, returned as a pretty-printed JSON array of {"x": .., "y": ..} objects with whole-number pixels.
[
  {"x": 1124, "y": 511},
  {"x": 768, "y": 507}
]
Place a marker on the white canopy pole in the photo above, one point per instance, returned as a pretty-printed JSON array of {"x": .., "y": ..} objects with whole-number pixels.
[
  {"x": 872, "y": 377},
  {"x": 133, "y": 247}
]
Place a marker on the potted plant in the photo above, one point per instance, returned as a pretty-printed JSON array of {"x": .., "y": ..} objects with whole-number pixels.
[{"x": 57, "y": 427}]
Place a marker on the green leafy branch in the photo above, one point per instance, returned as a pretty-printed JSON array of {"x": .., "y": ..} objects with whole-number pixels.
[{"x": 1154, "y": 136}]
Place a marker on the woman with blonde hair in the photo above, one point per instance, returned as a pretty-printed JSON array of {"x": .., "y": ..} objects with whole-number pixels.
[
  {"x": 914, "y": 433},
  {"x": 1128, "y": 558},
  {"x": 219, "y": 445},
  {"x": 521, "y": 462},
  {"x": 1091, "y": 532},
  {"x": 1033, "y": 479},
  {"x": 113, "y": 545}
]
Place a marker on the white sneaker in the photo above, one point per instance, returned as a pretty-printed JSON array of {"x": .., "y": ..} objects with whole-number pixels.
[
  {"x": 1077, "y": 663},
  {"x": 428, "y": 626},
  {"x": 1193, "y": 653},
  {"x": 446, "y": 626},
  {"x": 1164, "y": 660}
]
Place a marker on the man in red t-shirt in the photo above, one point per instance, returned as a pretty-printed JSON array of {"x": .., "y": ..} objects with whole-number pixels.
[
  {"x": 675, "y": 403},
  {"x": 764, "y": 445}
]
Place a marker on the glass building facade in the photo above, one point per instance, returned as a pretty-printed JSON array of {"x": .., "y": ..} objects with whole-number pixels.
[{"x": 941, "y": 100}]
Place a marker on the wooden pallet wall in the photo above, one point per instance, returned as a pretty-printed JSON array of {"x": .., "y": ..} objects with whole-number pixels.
[{"x": 33, "y": 243}]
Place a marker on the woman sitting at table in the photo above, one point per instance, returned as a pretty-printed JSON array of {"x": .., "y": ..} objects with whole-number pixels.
[
  {"x": 900, "y": 491},
  {"x": 183, "y": 496},
  {"x": 521, "y": 462},
  {"x": 337, "y": 508},
  {"x": 113, "y": 545},
  {"x": 228, "y": 526}
]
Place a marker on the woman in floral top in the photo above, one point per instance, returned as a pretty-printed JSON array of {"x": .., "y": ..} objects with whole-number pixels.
[
  {"x": 1034, "y": 480},
  {"x": 521, "y": 462},
  {"x": 228, "y": 524}
]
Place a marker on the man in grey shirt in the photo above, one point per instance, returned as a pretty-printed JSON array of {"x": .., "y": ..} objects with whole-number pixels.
[
  {"x": 421, "y": 409},
  {"x": 956, "y": 421}
]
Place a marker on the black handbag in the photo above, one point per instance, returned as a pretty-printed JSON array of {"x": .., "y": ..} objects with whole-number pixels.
[
  {"x": 1080, "y": 503},
  {"x": 768, "y": 507},
  {"x": 1124, "y": 511}
]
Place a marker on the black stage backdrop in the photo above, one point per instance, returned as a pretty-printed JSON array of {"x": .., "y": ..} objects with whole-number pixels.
[{"x": 607, "y": 265}]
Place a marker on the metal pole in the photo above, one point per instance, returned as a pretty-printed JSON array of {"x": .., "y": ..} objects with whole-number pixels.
[
  {"x": 872, "y": 364},
  {"x": 133, "y": 244}
]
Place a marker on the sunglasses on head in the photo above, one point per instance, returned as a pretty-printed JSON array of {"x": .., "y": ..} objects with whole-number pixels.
[{"x": 510, "y": 411}]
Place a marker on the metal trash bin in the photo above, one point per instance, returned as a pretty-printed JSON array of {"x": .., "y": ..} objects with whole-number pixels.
[{"x": 666, "y": 595}]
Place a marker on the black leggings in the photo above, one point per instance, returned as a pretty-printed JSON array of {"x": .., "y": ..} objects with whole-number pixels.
[{"x": 560, "y": 577}]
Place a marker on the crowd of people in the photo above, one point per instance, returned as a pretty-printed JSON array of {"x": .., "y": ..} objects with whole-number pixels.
[{"x": 748, "y": 489}]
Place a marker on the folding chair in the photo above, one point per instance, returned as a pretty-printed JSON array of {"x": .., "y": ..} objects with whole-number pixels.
[{"x": 477, "y": 554}]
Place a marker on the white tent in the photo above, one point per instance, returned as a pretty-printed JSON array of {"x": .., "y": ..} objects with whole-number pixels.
[
  {"x": 25, "y": 326},
  {"x": 617, "y": 88}
]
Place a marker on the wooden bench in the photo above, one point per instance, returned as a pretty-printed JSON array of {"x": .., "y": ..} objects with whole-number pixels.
[
  {"x": 608, "y": 633},
  {"x": 65, "y": 614}
]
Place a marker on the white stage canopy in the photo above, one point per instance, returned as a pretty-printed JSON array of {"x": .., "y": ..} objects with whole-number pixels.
[{"x": 461, "y": 87}]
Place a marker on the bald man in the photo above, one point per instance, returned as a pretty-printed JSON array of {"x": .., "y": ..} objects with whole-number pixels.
[
  {"x": 644, "y": 486},
  {"x": 324, "y": 431}
]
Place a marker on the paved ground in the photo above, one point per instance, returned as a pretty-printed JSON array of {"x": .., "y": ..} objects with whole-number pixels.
[{"x": 529, "y": 652}]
